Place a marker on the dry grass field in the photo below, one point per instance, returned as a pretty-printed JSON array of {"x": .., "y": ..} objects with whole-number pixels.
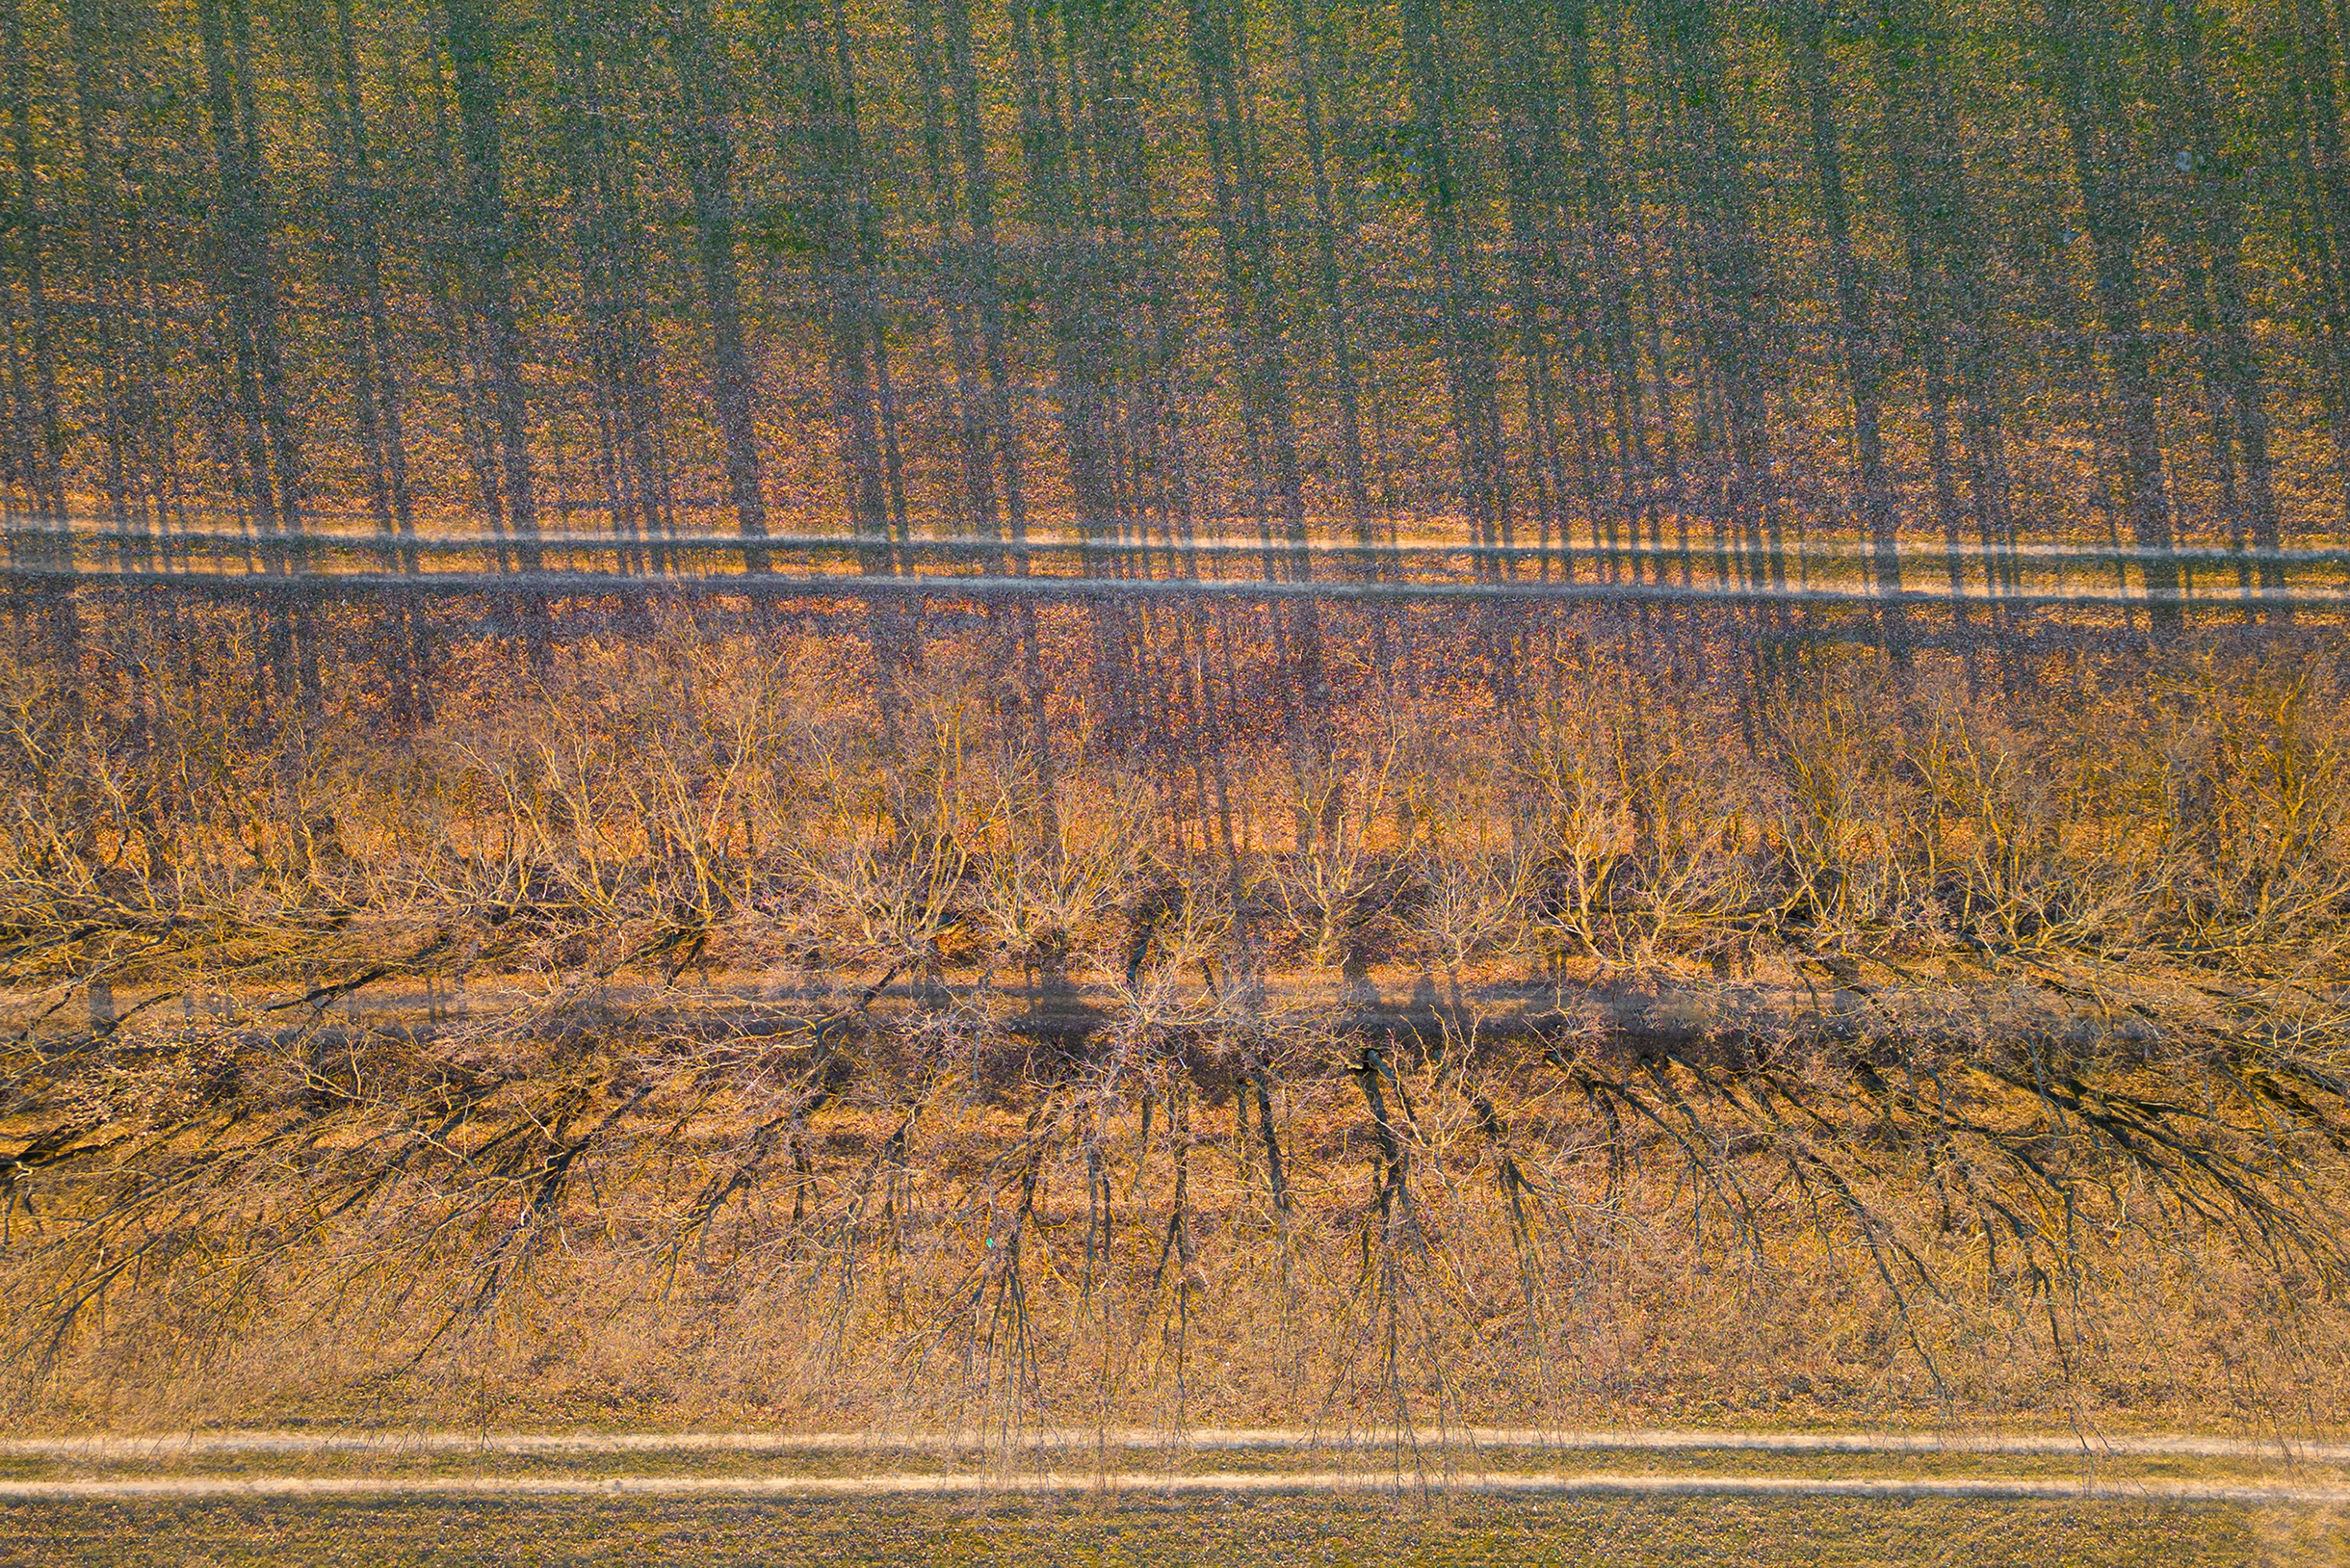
[{"x": 1146, "y": 1534}]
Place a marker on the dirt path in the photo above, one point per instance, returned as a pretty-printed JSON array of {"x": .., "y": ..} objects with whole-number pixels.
[
  {"x": 180, "y": 1446},
  {"x": 1141, "y": 1484},
  {"x": 996, "y": 1478},
  {"x": 1784, "y": 994}
]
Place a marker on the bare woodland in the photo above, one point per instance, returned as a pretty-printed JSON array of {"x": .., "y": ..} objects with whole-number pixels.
[{"x": 1527, "y": 714}]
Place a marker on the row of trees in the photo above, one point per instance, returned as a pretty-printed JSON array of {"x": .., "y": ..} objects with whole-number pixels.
[{"x": 1578, "y": 271}]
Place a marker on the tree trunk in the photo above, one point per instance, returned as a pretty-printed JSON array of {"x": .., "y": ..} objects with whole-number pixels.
[
  {"x": 2081, "y": 40},
  {"x": 1863, "y": 360},
  {"x": 38, "y": 436},
  {"x": 2217, "y": 239},
  {"x": 487, "y": 238},
  {"x": 706, "y": 106},
  {"x": 271, "y": 465}
]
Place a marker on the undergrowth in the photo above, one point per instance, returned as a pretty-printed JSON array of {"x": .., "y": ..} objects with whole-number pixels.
[{"x": 684, "y": 1028}]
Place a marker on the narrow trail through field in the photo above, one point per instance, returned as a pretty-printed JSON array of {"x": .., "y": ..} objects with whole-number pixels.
[
  {"x": 1402, "y": 1462},
  {"x": 1398, "y": 999},
  {"x": 1144, "y": 1485},
  {"x": 1255, "y": 1440}
]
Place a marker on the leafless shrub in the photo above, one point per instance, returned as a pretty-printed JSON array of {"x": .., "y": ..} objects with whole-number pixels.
[{"x": 684, "y": 1011}]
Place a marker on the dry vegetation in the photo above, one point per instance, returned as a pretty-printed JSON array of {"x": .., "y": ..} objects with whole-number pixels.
[
  {"x": 680, "y": 1032},
  {"x": 1285, "y": 1530}
]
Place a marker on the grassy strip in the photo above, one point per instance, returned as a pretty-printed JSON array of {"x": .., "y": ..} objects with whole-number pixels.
[{"x": 1635, "y": 1533}]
